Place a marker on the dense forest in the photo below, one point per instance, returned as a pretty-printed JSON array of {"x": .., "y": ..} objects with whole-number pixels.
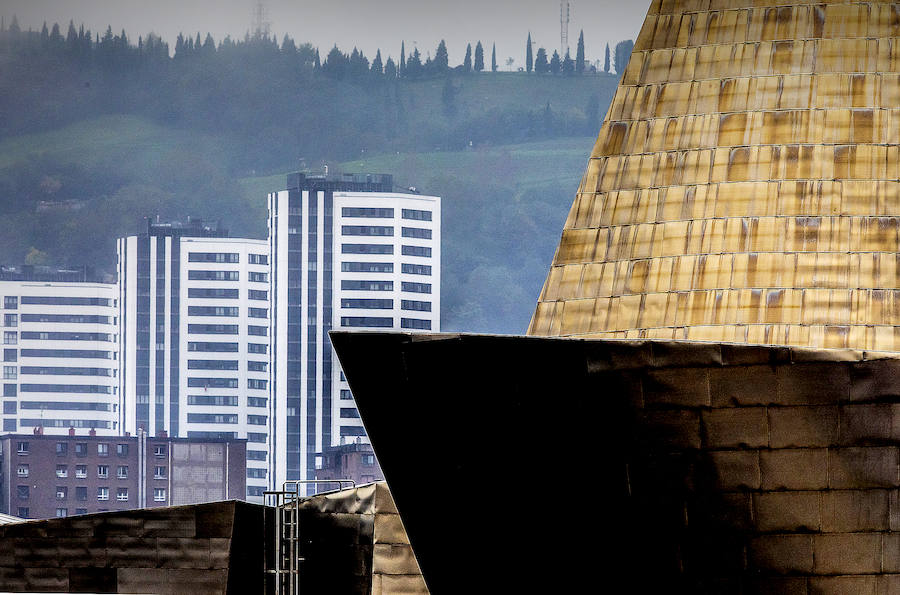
[{"x": 98, "y": 131}]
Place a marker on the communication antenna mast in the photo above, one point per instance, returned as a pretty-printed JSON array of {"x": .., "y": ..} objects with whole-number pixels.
[
  {"x": 565, "y": 12},
  {"x": 260, "y": 24}
]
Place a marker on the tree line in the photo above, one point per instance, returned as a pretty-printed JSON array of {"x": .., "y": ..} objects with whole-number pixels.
[{"x": 117, "y": 51}]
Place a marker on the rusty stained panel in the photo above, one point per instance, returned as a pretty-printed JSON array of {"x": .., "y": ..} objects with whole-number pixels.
[{"x": 745, "y": 185}]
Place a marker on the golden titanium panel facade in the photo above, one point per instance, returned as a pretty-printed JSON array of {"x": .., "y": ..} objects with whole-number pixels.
[{"x": 745, "y": 185}]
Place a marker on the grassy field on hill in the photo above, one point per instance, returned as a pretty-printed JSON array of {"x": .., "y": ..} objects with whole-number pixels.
[{"x": 67, "y": 193}]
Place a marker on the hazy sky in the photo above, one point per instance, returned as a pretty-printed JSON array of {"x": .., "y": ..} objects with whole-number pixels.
[{"x": 366, "y": 24}]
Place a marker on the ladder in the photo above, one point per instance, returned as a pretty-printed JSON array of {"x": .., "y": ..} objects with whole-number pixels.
[{"x": 287, "y": 559}]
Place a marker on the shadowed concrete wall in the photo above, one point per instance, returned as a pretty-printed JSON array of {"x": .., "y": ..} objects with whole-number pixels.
[
  {"x": 675, "y": 467},
  {"x": 745, "y": 185}
]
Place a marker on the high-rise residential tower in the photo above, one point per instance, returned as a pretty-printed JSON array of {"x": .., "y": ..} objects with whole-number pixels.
[
  {"x": 347, "y": 252},
  {"x": 60, "y": 351},
  {"x": 195, "y": 337}
]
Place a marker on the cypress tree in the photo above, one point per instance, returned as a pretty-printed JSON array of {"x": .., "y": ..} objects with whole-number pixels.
[
  {"x": 318, "y": 63},
  {"x": 467, "y": 61},
  {"x": 529, "y": 61},
  {"x": 541, "y": 66},
  {"x": 377, "y": 67},
  {"x": 390, "y": 69},
  {"x": 579, "y": 54},
  {"x": 555, "y": 65},
  {"x": 402, "y": 60},
  {"x": 441, "y": 59},
  {"x": 494, "y": 58},
  {"x": 479, "y": 57},
  {"x": 606, "y": 61}
]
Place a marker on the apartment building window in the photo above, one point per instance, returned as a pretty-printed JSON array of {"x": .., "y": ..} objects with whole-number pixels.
[
  {"x": 256, "y": 420},
  {"x": 257, "y": 402},
  {"x": 415, "y": 287},
  {"x": 374, "y": 321},
  {"x": 10, "y": 390},
  {"x": 81, "y": 511},
  {"x": 368, "y": 460},
  {"x": 256, "y": 473},
  {"x": 257, "y": 384},
  {"x": 258, "y": 312},
  {"x": 367, "y": 230},
  {"x": 349, "y": 413},
  {"x": 415, "y": 323},
  {"x": 122, "y": 450},
  {"x": 23, "y": 512},
  {"x": 9, "y": 425},
  {"x": 10, "y": 355},
  {"x": 11, "y": 320},
  {"x": 10, "y": 372},
  {"x": 22, "y": 448},
  {"x": 10, "y": 338},
  {"x": 258, "y": 258},
  {"x": 159, "y": 494},
  {"x": 214, "y": 276},
  {"x": 62, "y": 513},
  {"x": 103, "y": 449},
  {"x": 102, "y": 494},
  {"x": 159, "y": 450},
  {"x": 10, "y": 302},
  {"x": 159, "y": 472},
  {"x": 213, "y": 257},
  {"x": 415, "y": 269},
  {"x": 369, "y": 212},
  {"x": 257, "y": 294},
  {"x": 122, "y": 471},
  {"x": 415, "y": 251},
  {"x": 257, "y": 331},
  {"x": 80, "y": 449},
  {"x": 256, "y": 366},
  {"x": 367, "y": 248},
  {"x": 62, "y": 471},
  {"x": 213, "y": 311},
  {"x": 81, "y": 493},
  {"x": 417, "y": 232},
  {"x": 9, "y": 407},
  {"x": 122, "y": 494},
  {"x": 367, "y": 267},
  {"x": 415, "y": 305},
  {"x": 417, "y": 215},
  {"x": 62, "y": 492},
  {"x": 80, "y": 471},
  {"x": 259, "y": 277},
  {"x": 23, "y": 492},
  {"x": 346, "y": 395},
  {"x": 102, "y": 471},
  {"x": 257, "y": 348},
  {"x": 22, "y": 470},
  {"x": 62, "y": 449}
]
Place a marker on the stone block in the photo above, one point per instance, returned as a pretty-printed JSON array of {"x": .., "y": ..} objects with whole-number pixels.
[
  {"x": 794, "y": 469},
  {"x": 866, "y": 424},
  {"x": 781, "y": 554},
  {"x": 842, "y": 585},
  {"x": 742, "y": 385},
  {"x": 888, "y": 584},
  {"x": 739, "y": 427},
  {"x": 894, "y": 499},
  {"x": 787, "y": 511},
  {"x": 891, "y": 549},
  {"x": 812, "y": 384},
  {"x": 681, "y": 355},
  {"x": 847, "y": 553},
  {"x": 736, "y": 469},
  {"x": 875, "y": 380},
  {"x": 773, "y": 585},
  {"x": 670, "y": 429},
  {"x": 863, "y": 467},
  {"x": 677, "y": 387},
  {"x": 803, "y": 426},
  {"x": 847, "y": 511}
]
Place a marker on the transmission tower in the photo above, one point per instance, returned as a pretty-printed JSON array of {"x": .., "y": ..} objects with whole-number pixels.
[
  {"x": 565, "y": 12},
  {"x": 260, "y": 22}
]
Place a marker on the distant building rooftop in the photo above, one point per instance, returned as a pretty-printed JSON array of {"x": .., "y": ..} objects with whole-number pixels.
[
  {"x": 193, "y": 227},
  {"x": 30, "y": 272},
  {"x": 339, "y": 182}
]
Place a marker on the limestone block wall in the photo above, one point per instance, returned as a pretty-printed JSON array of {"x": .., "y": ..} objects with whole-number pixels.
[
  {"x": 745, "y": 185},
  {"x": 772, "y": 471}
]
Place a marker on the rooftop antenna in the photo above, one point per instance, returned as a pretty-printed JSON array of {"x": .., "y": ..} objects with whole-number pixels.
[
  {"x": 565, "y": 12},
  {"x": 260, "y": 24}
]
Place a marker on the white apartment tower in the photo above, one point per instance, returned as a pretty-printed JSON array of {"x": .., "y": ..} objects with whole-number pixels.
[
  {"x": 194, "y": 310},
  {"x": 347, "y": 253},
  {"x": 59, "y": 351}
]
